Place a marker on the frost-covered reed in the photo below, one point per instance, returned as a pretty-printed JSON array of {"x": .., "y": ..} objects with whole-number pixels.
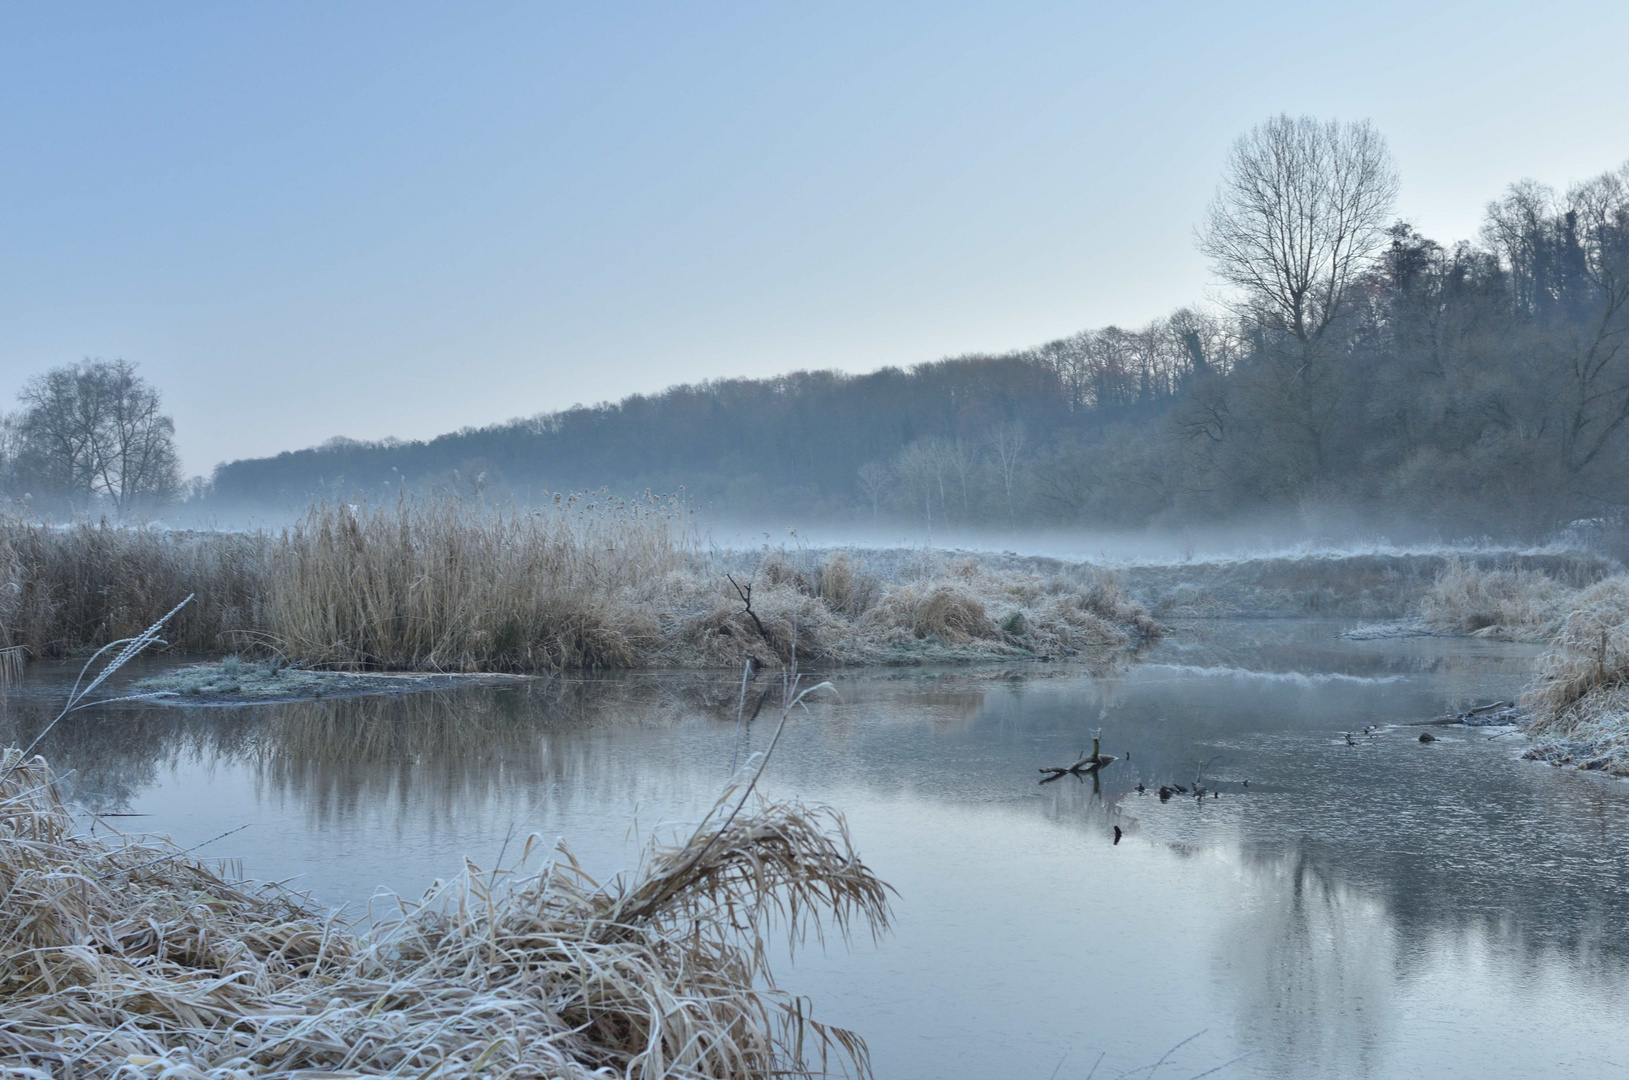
[
  {"x": 1517, "y": 604},
  {"x": 1578, "y": 702},
  {"x": 123, "y": 957},
  {"x": 582, "y": 583}
]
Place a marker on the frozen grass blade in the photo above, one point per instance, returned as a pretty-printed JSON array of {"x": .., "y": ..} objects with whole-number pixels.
[{"x": 76, "y": 696}]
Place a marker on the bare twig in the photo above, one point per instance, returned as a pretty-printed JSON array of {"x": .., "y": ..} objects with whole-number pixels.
[{"x": 746, "y": 599}]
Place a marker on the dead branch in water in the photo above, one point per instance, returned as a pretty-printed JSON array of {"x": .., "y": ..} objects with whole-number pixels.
[{"x": 1086, "y": 766}]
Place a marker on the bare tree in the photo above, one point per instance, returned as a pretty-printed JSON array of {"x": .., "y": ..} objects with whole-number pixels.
[
  {"x": 95, "y": 430},
  {"x": 1569, "y": 266},
  {"x": 12, "y": 469},
  {"x": 938, "y": 455},
  {"x": 1006, "y": 452},
  {"x": 873, "y": 484},
  {"x": 1299, "y": 216},
  {"x": 963, "y": 459},
  {"x": 1302, "y": 209},
  {"x": 916, "y": 469}
]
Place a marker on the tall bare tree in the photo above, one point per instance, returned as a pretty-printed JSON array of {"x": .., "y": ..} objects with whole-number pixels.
[
  {"x": 874, "y": 482},
  {"x": 94, "y": 430},
  {"x": 1007, "y": 447},
  {"x": 1301, "y": 211},
  {"x": 1299, "y": 217},
  {"x": 918, "y": 473}
]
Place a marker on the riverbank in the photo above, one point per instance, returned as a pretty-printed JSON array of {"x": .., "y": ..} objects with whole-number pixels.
[
  {"x": 1575, "y": 710},
  {"x": 578, "y": 585},
  {"x": 1578, "y": 702}
]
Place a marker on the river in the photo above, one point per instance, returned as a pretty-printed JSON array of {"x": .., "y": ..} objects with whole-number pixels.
[{"x": 1384, "y": 909}]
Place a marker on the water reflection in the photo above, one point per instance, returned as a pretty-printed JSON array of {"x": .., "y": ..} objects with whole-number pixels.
[
  {"x": 1385, "y": 909},
  {"x": 1313, "y": 963}
]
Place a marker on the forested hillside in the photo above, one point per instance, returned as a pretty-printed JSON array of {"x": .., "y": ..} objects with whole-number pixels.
[{"x": 1483, "y": 386}]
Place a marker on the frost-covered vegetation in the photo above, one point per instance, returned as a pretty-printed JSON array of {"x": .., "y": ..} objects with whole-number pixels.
[
  {"x": 1510, "y": 596},
  {"x": 1364, "y": 585},
  {"x": 127, "y": 957},
  {"x": 236, "y": 680},
  {"x": 581, "y": 584},
  {"x": 1578, "y": 703},
  {"x": 1512, "y": 603},
  {"x": 235, "y": 677}
]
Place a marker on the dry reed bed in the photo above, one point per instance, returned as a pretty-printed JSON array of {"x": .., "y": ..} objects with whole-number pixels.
[
  {"x": 1513, "y": 604},
  {"x": 580, "y": 584},
  {"x": 1578, "y": 702},
  {"x": 130, "y": 958}
]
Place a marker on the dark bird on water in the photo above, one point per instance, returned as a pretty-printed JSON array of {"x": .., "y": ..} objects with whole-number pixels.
[
  {"x": 1117, "y": 834},
  {"x": 1426, "y": 736},
  {"x": 1140, "y": 789}
]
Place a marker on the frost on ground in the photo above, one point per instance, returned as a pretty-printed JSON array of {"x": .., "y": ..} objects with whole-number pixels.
[
  {"x": 894, "y": 607},
  {"x": 1579, "y": 700},
  {"x": 1388, "y": 631},
  {"x": 1371, "y": 586},
  {"x": 234, "y": 677},
  {"x": 235, "y": 680}
]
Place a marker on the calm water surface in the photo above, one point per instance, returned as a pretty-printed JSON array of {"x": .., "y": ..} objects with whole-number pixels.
[{"x": 1386, "y": 910}]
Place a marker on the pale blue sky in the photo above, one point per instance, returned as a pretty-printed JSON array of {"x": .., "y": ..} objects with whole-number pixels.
[{"x": 401, "y": 219}]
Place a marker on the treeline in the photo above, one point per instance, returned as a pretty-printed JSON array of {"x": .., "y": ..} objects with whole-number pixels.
[
  {"x": 956, "y": 439},
  {"x": 1481, "y": 386}
]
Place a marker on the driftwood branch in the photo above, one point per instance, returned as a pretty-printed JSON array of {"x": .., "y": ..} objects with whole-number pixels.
[{"x": 1086, "y": 766}]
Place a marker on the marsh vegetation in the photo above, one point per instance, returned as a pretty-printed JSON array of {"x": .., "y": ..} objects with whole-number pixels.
[
  {"x": 583, "y": 584},
  {"x": 120, "y": 953}
]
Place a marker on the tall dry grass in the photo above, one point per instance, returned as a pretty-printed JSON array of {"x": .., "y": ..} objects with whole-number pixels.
[
  {"x": 1517, "y": 604},
  {"x": 592, "y": 583},
  {"x": 428, "y": 587},
  {"x": 1580, "y": 690},
  {"x": 66, "y": 589},
  {"x": 121, "y": 957},
  {"x": 423, "y": 586}
]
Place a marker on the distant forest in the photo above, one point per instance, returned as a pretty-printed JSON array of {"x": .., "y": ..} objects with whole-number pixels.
[{"x": 1483, "y": 386}]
